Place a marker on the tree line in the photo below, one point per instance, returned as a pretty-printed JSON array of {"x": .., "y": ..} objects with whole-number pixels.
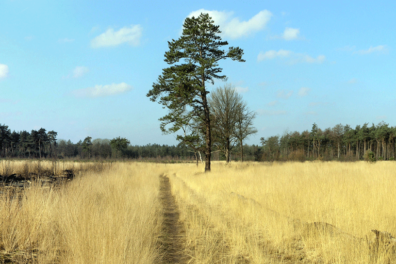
[
  {"x": 37, "y": 143},
  {"x": 44, "y": 144},
  {"x": 104, "y": 149},
  {"x": 341, "y": 142}
]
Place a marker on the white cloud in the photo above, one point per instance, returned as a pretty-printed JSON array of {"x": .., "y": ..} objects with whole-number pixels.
[
  {"x": 380, "y": 48},
  {"x": 102, "y": 90},
  {"x": 231, "y": 26},
  {"x": 293, "y": 56},
  {"x": 80, "y": 71},
  {"x": 284, "y": 94},
  {"x": 65, "y": 40},
  {"x": 309, "y": 59},
  {"x": 3, "y": 71},
  {"x": 130, "y": 35},
  {"x": 271, "y": 54},
  {"x": 291, "y": 33},
  {"x": 352, "y": 81},
  {"x": 304, "y": 91},
  {"x": 382, "y": 117},
  {"x": 242, "y": 89},
  {"x": 270, "y": 113},
  {"x": 272, "y": 103}
]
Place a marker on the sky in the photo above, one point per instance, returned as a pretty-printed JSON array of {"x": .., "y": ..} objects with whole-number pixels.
[{"x": 83, "y": 68}]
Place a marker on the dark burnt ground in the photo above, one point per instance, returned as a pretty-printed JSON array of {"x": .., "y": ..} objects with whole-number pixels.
[{"x": 172, "y": 239}]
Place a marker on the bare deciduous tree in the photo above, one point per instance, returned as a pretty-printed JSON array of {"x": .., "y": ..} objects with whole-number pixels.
[
  {"x": 244, "y": 125},
  {"x": 232, "y": 120},
  {"x": 225, "y": 105}
]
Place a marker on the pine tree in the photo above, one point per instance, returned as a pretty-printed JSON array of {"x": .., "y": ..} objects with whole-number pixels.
[{"x": 182, "y": 87}]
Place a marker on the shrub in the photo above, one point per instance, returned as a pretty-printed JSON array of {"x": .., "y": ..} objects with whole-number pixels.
[
  {"x": 369, "y": 156},
  {"x": 297, "y": 155}
]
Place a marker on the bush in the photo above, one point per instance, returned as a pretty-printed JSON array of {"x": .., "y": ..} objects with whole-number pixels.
[
  {"x": 297, "y": 155},
  {"x": 369, "y": 156}
]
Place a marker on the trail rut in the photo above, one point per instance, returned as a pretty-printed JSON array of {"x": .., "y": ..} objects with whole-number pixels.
[{"x": 173, "y": 234}]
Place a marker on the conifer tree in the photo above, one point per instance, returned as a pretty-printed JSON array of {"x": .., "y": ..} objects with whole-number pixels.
[{"x": 182, "y": 87}]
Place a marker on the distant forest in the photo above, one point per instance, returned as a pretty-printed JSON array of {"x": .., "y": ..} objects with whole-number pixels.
[
  {"x": 338, "y": 143},
  {"x": 43, "y": 144}
]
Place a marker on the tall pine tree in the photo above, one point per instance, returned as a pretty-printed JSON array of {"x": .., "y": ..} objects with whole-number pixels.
[{"x": 182, "y": 87}]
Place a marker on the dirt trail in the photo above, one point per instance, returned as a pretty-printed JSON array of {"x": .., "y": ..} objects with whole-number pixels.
[{"x": 173, "y": 234}]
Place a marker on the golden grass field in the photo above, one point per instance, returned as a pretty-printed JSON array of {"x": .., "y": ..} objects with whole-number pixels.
[{"x": 238, "y": 213}]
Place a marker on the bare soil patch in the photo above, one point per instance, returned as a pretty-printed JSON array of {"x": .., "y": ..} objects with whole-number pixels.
[{"x": 172, "y": 240}]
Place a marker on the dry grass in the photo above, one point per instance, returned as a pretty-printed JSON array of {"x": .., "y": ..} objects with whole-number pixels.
[
  {"x": 239, "y": 213},
  {"x": 107, "y": 217},
  {"x": 250, "y": 213}
]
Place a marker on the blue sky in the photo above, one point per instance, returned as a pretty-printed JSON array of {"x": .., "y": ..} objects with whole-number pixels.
[{"x": 83, "y": 68}]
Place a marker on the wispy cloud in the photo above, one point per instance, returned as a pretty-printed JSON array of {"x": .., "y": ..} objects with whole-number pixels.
[
  {"x": 291, "y": 33},
  {"x": 130, "y": 35},
  {"x": 102, "y": 90},
  {"x": 234, "y": 28},
  {"x": 272, "y": 103},
  {"x": 284, "y": 94},
  {"x": 29, "y": 38},
  {"x": 380, "y": 48},
  {"x": 65, "y": 40},
  {"x": 352, "y": 81},
  {"x": 304, "y": 91},
  {"x": 80, "y": 71},
  {"x": 3, "y": 71},
  {"x": 382, "y": 117},
  {"x": 292, "y": 56},
  {"x": 270, "y": 113},
  {"x": 272, "y": 54},
  {"x": 242, "y": 89},
  {"x": 376, "y": 49}
]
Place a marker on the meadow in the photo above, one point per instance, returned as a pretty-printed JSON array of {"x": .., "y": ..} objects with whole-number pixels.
[{"x": 130, "y": 212}]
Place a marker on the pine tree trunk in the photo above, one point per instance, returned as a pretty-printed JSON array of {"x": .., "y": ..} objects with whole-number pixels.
[
  {"x": 308, "y": 149},
  {"x": 357, "y": 149},
  {"x": 208, "y": 131},
  {"x": 339, "y": 149},
  {"x": 383, "y": 149}
]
